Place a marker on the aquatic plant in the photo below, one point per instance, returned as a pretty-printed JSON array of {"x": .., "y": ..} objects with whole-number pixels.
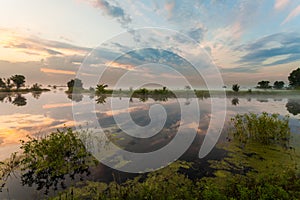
[
  {"x": 47, "y": 161},
  {"x": 7, "y": 168},
  {"x": 263, "y": 128}
]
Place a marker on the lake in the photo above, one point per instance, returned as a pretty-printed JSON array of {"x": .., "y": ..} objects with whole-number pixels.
[{"x": 38, "y": 114}]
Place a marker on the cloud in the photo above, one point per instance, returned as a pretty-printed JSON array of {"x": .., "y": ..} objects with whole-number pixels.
[
  {"x": 197, "y": 33},
  {"x": 113, "y": 11},
  {"x": 120, "y": 66},
  {"x": 33, "y": 45},
  {"x": 280, "y": 4},
  {"x": 56, "y": 71},
  {"x": 292, "y": 14},
  {"x": 169, "y": 7},
  {"x": 281, "y": 47}
]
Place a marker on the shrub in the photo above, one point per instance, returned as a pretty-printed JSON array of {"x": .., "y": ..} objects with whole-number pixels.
[{"x": 47, "y": 161}]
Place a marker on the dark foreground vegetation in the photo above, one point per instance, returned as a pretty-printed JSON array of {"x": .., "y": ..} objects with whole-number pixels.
[{"x": 260, "y": 164}]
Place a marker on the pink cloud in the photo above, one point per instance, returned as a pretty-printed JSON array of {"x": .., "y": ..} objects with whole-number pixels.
[
  {"x": 280, "y": 4},
  {"x": 292, "y": 14}
]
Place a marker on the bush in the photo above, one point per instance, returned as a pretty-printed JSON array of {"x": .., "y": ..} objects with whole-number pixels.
[{"x": 47, "y": 161}]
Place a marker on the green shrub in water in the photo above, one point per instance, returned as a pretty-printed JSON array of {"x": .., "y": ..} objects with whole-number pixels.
[{"x": 45, "y": 162}]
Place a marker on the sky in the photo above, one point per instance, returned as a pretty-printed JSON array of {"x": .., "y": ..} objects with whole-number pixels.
[{"x": 49, "y": 41}]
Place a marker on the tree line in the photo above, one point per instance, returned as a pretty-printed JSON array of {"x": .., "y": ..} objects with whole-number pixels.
[
  {"x": 294, "y": 82},
  {"x": 15, "y": 83}
]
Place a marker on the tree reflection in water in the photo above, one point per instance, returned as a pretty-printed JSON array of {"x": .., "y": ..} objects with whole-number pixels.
[
  {"x": 235, "y": 101},
  {"x": 101, "y": 99},
  {"x": 17, "y": 99},
  {"x": 75, "y": 97},
  {"x": 293, "y": 107}
]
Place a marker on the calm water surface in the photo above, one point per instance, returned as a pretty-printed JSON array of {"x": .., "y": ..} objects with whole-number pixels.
[{"x": 39, "y": 114}]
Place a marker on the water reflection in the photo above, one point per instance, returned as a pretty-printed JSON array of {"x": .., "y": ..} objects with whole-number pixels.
[
  {"x": 75, "y": 97},
  {"x": 36, "y": 94},
  {"x": 19, "y": 100},
  {"x": 52, "y": 110},
  {"x": 293, "y": 106},
  {"x": 235, "y": 101},
  {"x": 263, "y": 100},
  {"x": 101, "y": 99},
  {"x": 15, "y": 99}
]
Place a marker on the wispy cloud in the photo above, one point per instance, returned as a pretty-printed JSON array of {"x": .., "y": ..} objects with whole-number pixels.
[
  {"x": 272, "y": 50},
  {"x": 33, "y": 45},
  {"x": 280, "y": 4},
  {"x": 57, "y": 71},
  {"x": 120, "y": 66},
  {"x": 111, "y": 10},
  {"x": 294, "y": 13}
]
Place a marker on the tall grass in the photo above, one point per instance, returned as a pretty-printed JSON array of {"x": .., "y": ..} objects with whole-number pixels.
[{"x": 263, "y": 128}]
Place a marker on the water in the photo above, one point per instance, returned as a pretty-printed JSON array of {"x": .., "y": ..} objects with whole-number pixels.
[{"x": 39, "y": 114}]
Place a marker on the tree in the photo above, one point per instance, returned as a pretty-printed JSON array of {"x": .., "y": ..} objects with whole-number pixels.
[
  {"x": 187, "y": 87},
  {"x": 278, "y": 84},
  {"x": 235, "y": 87},
  {"x": 75, "y": 83},
  {"x": 294, "y": 78},
  {"x": 36, "y": 87},
  {"x": 2, "y": 83},
  {"x": 19, "y": 80},
  {"x": 100, "y": 89},
  {"x": 8, "y": 84},
  {"x": 264, "y": 85}
]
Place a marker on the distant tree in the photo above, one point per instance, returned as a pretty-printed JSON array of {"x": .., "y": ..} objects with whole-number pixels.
[
  {"x": 294, "y": 78},
  {"x": 235, "y": 87},
  {"x": 75, "y": 83},
  {"x": 187, "y": 87},
  {"x": 91, "y": 89},
  {"x": 263, "y": 85},
  {"x": 278, "y": 84},
  {"x": 19, "y": 80},
  {"x": 36, "y": 87},
  {"x": 2, "y": 83},
  {"x": 8, "y": 84},
  {"x": 100, "y": 89}
]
